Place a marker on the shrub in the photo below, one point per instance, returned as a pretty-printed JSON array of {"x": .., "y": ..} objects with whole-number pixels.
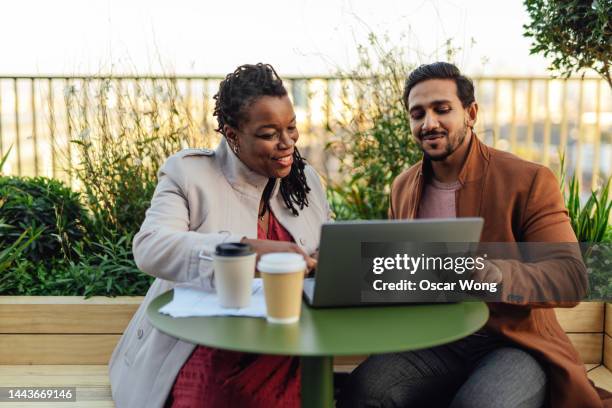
[
  {"x": 590, "y": 222},
  {"x": 13, "y": 252},
  {"x": 45, "y": 205},
  {"x": 598, "y": 259},
  {"x": 374, "y": 144},
  {"x": 107, "y": 270},
  {"x": 121, "y": 137},
  {"x": 120, "y": 147},
  {"x": 31, "y": 278}
]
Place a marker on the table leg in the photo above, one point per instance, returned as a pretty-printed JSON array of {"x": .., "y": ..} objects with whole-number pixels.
[{"x": 317, "y": 382}]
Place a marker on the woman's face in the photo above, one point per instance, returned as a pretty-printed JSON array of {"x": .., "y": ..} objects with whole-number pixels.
[{"x": 266, "y": 137}]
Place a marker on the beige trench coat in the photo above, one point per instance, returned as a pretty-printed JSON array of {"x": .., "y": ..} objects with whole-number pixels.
[{"x": 203, "y": 198}]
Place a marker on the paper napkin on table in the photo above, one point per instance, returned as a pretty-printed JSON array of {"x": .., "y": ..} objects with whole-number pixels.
[{"x": 190, "y": 301}]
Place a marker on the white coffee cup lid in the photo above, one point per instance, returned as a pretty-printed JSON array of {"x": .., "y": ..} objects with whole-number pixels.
[{"x": 281, "y": 262}]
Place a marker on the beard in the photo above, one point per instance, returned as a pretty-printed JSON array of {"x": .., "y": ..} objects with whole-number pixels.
[{"x": 450, "y": 147}]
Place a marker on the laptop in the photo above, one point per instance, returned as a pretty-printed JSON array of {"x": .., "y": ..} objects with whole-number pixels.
[{"x": 337, "y": 281}]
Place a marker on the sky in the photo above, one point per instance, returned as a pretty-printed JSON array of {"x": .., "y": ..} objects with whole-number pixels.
[{"x": 301, "y": 37}]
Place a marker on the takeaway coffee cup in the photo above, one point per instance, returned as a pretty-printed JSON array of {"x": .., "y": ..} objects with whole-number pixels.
[
  {"x": 283, "y": 279},
  {"x": 234, "y": 265}
]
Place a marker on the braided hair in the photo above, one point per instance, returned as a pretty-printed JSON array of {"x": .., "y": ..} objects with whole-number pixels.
[{"x": 237, "y": 92}]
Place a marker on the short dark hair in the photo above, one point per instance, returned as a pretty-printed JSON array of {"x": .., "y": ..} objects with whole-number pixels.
[
  {"x": 237, "y": 92},
  {"x": 242, "y": 88},
  {"x": 441, "y": 70}
]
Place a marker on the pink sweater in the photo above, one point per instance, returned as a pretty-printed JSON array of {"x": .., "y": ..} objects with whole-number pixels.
[{"x": 438, "y": 200}]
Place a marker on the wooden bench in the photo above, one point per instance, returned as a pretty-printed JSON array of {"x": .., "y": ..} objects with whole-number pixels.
[
  {"x": 62, "y": 341},
  {"x": 67, "y": 341}
]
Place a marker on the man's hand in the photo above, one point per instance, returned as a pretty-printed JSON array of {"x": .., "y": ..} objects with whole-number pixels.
[
  {"x": 490, "y": 274},
  {"x": 264, "y": 246}
]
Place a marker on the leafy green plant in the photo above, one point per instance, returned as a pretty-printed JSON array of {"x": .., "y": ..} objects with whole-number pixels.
[
  {"x": 575, "y": 33},
  {"x": 106, "y": 270},
  {"x": 374, "y": 143},
  {"x": 13, "y": 252},
  {"x": 120, "y": 146},
  {"x": 29, "y": 278},
  {"x": 121, "y": 137},
  {"x": 41, "y": 204},
  {"x": 591, "y": 220},
  {"x": 598, "y": 259},
  {"x": 591, "y": 224}
]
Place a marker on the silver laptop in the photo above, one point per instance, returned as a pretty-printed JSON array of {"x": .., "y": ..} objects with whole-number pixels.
[{"x": 337, "y": 281}]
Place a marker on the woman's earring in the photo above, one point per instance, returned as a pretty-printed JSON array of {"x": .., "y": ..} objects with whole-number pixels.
[{"x": 233, "y": 144}]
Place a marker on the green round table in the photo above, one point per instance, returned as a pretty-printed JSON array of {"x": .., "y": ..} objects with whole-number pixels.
[{"x": 324, "y": 333}]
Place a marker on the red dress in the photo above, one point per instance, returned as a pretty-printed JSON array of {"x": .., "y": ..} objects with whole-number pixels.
[{"x": 214, "y": 378}]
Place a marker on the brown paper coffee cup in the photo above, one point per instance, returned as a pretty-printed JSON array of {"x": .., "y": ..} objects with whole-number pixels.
[{"x": 283, "y": 279}]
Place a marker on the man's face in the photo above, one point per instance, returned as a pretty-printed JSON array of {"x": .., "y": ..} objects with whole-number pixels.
[{"x": 438, "y": 120}]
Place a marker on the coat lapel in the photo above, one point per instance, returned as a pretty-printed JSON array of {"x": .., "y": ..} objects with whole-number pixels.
[{"x": 471, "y": 177}]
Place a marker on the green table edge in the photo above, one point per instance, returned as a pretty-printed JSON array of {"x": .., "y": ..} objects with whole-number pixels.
[{"x": 476, "y": 311}]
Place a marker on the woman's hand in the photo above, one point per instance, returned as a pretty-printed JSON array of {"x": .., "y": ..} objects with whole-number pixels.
[
  {"x": 264, "y": 246},
  {"x": 315, "y": 254}
]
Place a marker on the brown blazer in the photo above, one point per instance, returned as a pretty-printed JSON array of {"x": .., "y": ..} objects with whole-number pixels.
[{"x": 520, "y": 201}]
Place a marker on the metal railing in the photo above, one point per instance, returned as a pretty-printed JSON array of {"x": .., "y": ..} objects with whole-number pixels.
[{"x": 533, "y": 117}]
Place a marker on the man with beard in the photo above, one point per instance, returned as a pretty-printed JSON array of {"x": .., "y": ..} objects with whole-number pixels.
[{"x": 522, "y": 357}]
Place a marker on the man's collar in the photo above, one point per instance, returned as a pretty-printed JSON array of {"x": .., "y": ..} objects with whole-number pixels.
[{"x": 474, "y": 166}]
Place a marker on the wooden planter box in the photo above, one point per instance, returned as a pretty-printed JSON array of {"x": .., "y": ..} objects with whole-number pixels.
[
  {"x": 62, "y": 329},
  {"x": 68, "y": 341},
  {"x": 73, "y": 330}
]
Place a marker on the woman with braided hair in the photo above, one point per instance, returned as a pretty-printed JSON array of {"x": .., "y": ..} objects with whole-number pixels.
[{"x": 255, "y": 188}]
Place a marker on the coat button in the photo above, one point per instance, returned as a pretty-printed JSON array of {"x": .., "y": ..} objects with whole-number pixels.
[
  {"x": 140, "y": 333},
  {"x": 302, "y": 241}
]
